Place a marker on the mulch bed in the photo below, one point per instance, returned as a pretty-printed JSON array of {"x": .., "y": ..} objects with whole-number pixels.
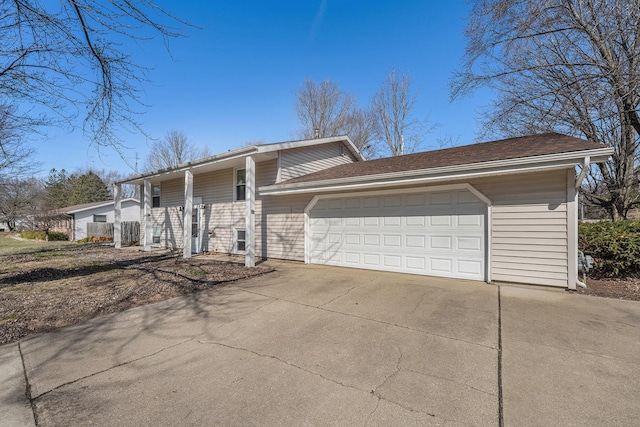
[
  {"x": 626, "y": 289},
  {"x": 41, "y": 291}
]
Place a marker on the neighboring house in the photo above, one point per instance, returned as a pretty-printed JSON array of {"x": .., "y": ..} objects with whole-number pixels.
[
  {"x": 496, "y": 211},
  {"x": 104, "y": 212}
]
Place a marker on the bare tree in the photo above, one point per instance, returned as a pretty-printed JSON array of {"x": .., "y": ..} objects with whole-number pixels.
[
  {"x": 68, "y": 57},
  {"x": 17, "y": 198},
  {"x": 174, "y": 149},
  {"x": 15, "y": 153},
  {"x": 571, "y": 66},
  {"x": 325, "y": 110},
  {"x": 397, "y": 127}
]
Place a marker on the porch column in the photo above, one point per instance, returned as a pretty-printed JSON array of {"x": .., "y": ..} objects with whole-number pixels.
[
  {"x": 117, "y": 234},
  {"x": 186, "y": 214},
  {"x": 146, "y": 213},
  {"x": 250, "y": 214}
]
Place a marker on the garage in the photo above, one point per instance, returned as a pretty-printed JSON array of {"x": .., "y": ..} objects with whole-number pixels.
[{"x": 436, "y": 232}]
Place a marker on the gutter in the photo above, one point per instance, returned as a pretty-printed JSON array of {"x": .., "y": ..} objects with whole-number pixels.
[
  {"x": 552, "y": 161},
  {"x": 192, "y": 165},
  {"x": 585, "y": 166}
]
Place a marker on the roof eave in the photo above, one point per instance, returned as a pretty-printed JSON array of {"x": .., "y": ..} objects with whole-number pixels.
[
  {"x": 230, "y": 155},
  {"x": 468, "y": 171}
]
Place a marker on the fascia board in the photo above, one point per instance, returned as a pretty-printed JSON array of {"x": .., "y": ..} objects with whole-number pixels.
[
  {"x": 309, "y": 142},
  {"x": 560, "y": 160},
  {"x": 101, "y": 205},
  {"x": 218, "y": 158}
]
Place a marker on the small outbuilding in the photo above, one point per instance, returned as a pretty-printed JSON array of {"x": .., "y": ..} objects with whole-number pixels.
[{"x": 81, "y": 216}]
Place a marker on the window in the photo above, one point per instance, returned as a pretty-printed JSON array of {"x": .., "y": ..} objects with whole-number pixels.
[
  {"x": 156, "y": 235},
  {"x": 99, "y": 218},
  {"x": 156, "y": 197},
  {"x": 240, "y": 240},
  {"x": 241, "y": 184}
]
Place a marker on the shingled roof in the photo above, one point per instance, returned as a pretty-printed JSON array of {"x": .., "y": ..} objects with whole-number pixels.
[{"x": 505, "y": 149}]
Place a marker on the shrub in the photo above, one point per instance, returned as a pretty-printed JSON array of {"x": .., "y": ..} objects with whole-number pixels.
[
  {"x": 41, "y": 235},
  {"x": 615, "y": 247},
  {"x": 57, "y": 235},
  {"x": 97, "y": 239},
  {"x": 33, "y": 235},
  {"x": 87, "y": 239}
]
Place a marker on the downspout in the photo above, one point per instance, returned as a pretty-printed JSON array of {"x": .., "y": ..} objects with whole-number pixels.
[{"x": 583, "y": 173}]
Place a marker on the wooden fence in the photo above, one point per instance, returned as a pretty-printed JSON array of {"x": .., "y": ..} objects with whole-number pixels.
[{"x": 129, "y": 231}]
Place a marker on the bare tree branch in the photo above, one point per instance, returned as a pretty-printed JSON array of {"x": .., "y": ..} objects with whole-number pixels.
[{"x": 570, "y": 66}]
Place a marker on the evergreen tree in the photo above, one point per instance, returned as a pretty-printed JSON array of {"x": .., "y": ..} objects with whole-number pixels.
[
  {"x": 59, "y": 186},
  {"x": 89, "y": 188}
]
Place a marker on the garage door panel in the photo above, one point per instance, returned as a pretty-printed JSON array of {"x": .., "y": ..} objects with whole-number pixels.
[
  {"x": 394, "y": 261},
  {"x": 438, "y": 234},
  {"x": 371, "y": 221},
  {"x": 473, "y": 268},
  {"x": 391, "y": 221},
  {"x": 440, "y": 242},
  {"x": 392, "y": 240},
  {"x": 415, "y": 241},
  {"x": 441, "y": 221},
  {"x": 469, "y": 243},
  {"x": 470, "y": 220},
  {"x": 442, "y": 265},
  {"x": 416, "y": 263},
  {"x": 371, "y": 240},
  {"x": 415, "y": 221}
]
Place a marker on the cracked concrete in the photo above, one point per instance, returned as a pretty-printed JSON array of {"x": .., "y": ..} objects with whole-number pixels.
[{"x": 319, "y": 345}]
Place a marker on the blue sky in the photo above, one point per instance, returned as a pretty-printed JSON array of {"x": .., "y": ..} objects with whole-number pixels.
[{"x": 233, "y": 80}]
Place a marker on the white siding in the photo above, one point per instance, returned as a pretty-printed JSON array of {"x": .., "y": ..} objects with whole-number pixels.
[
  {"x": 305, "y": 160},
  {"x": 130, "y": 212}
]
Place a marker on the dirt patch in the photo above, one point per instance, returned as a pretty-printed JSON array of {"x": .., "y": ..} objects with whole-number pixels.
[
  {"x": 44, "y": 289},
  {"x": 627, "y": 289}
]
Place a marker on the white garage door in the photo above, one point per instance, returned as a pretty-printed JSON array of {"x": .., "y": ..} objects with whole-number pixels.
[{"x": 431, "y": 233}]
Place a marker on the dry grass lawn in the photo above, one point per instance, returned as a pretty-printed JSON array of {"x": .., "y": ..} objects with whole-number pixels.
[{"x": 47, "y": 285}]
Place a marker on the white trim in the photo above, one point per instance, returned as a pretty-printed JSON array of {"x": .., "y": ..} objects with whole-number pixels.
[
  {"x": 98, "y": 205},
  {"x": 117, "y": 216},
  {"x": 572, "y": 230},
  {"x": 428, "y": 189},
  {"x": 243, "y": 152},
  {"x": 467, "y": 171},
  {"x": 235, "y": 249},
  {"x": 583, "y": 172},
  {"x": 235, "y": 183},
  {"x": 187, "y": 211},
  {"x": 279, "y": 167},
  {"x": 250, "y": 212},
  {"x": 146, "y": 213}
]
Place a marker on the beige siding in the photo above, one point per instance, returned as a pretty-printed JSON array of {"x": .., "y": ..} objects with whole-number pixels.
[
  {"x": 282, "y": 225},
  {"x": 169, "y": 219},
  {"x": 221, "y": 216},
  {"x": 172, "y": 193},
  {"x": 305, "y": 160},
  {"x": 529, "y": 229}
]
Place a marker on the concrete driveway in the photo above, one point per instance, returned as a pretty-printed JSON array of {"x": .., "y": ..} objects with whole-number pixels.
[{"x": 312, "y": 345}]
